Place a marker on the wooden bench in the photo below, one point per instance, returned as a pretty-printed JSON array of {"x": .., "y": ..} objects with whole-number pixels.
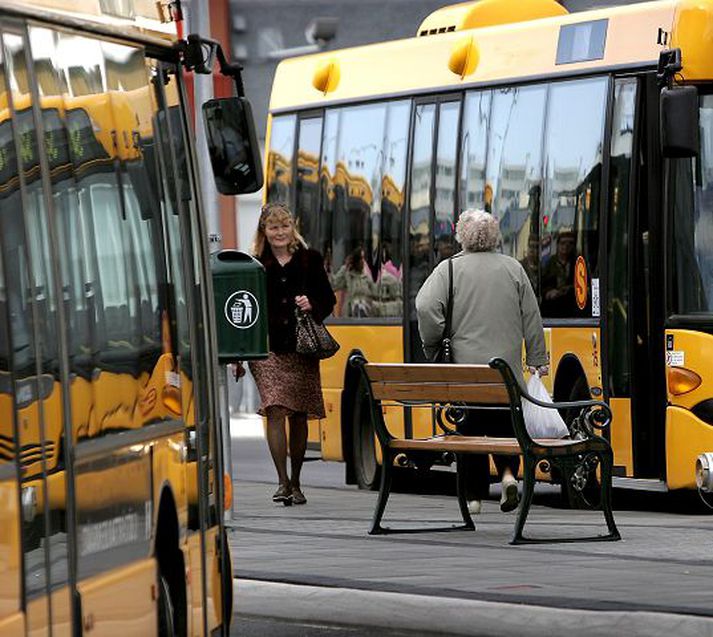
[{"x": 449, "y": 390}]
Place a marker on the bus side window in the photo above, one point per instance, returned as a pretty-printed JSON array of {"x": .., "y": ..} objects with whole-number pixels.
[
  {"x": 514, "y": 171},
  {"x": 356, "y": 223},
  {"x": 307, "y": 180},
  {"x": 279, "y": 159},
  {"x": 474, "y": 144},
  {"x": 393, "y": 200},
  {"x": 570, "y": 210}
]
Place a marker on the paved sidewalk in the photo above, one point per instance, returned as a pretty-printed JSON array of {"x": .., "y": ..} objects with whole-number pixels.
[{"x": 664, "y": 564}]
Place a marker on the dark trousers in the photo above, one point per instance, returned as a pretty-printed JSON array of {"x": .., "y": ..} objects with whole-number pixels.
[{"x": 486, "y": 422}]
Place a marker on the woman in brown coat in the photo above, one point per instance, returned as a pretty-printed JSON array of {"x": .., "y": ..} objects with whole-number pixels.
[{"x": 288, "y": 382}]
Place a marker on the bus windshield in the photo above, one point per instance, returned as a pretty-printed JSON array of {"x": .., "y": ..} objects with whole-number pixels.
[{"x": 692, "y": 201}]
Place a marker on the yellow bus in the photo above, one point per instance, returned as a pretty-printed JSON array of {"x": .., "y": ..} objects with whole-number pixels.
[
  {"x": 111, "y": 481},
  {"x": 550, "y": 121}
]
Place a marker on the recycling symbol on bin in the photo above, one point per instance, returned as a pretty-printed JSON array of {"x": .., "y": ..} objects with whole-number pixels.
[{"x": 242, "y": 309}]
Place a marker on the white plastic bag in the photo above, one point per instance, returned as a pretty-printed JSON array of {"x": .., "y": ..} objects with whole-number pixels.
[{"x": 541, "y": 422}]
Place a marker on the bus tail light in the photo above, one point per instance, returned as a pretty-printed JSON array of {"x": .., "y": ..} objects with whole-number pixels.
[
  {"x": 704, "y": 472},
  {"x": 682, "y": 380},
  {"x": 227, "y": 492}
]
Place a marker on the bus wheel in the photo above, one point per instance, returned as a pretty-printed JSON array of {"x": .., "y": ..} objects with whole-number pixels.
[
  {"x": 166, "y": 626},
  {"x": 366, "y": 469},
  {"x": 587, "y": 497}
]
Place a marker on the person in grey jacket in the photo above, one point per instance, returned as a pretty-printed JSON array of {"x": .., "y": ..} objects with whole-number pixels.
[{"x": 494, "y": 310}]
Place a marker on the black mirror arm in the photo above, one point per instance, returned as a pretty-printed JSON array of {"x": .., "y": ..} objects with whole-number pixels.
[
  {"x": 196, "y": 58},
  {"x": 231, "y": 69},
  {"x": 669, "y": 65}
]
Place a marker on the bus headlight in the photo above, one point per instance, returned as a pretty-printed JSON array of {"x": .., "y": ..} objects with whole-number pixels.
[{"x": 704, "y": 472}]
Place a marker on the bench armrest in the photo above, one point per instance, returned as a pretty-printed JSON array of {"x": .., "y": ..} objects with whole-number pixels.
[{"x": 593, "y": 414}]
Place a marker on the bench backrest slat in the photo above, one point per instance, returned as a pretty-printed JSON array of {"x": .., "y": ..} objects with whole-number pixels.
[
  {"x": 426, "y": 373},
  {"x": 486, "y": 394}
]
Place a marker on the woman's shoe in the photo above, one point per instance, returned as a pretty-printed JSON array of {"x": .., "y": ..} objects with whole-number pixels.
[
  {"x": 297, "y": 496},
  {"x": 283, "y": 495},
  {"x": 508, "y": 498}
]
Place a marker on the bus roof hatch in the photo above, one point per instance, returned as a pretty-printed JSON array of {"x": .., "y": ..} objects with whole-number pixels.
[{"x": 487, "y": 13}]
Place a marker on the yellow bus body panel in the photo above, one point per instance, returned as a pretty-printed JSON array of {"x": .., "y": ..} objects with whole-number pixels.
[
  {"x": 13, "y": 626},
  {"x": 61, "y": 613},
  {"x": 692, "y": 29},
  {"x": 621, "y": 434},
  {"x": 121, "y": 602},
  {"x": 692, "y": 351},
  {"x": 686, "y": 437},
  {"x": 9, "y": 557},
  {"x": 379, "y": 343},
  {"x": 508, "y": 52}
]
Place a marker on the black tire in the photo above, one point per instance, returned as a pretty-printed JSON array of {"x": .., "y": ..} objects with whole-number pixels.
[
  {"x": 589, "y": 496},
  {"x": 166, "y": 627},
  {"x": 227, "y": 582},
  {"x": 367, "y": 470}
]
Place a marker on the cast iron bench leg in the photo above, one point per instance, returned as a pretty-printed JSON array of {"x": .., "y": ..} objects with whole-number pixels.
[
  {"x": 461, "y": 486},
  {"x": 528, "y": 489},
  {"x": 387, "y": 466},
  {"x": 607, "y": 461}
]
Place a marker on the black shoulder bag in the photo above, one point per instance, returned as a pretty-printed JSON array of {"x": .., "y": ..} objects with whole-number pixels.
[{"x": 445, "y": 353}]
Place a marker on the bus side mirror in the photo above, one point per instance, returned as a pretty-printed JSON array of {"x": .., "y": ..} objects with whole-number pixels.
[
  {"x": 679, "y": 122},
  {"x": 233, "y": 145}
]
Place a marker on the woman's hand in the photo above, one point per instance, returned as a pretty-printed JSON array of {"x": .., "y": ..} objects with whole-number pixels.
[
  {"x": 542, "y": 370},
  {"x": 303, "y": 303}
]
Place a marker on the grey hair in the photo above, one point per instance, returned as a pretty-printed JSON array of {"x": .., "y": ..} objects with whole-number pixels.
[{"x": 478, "y": 231}]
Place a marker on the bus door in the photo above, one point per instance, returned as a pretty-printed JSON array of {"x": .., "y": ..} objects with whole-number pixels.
[
  {"x": 11, "y": 617},
  {"x": 32, "y": 302},
  {"x": 192, "y": 373},
  {"x": 432, "y": 202},
  {"x": 648, "y": 377},
  {"x": 632, "y": 364}
]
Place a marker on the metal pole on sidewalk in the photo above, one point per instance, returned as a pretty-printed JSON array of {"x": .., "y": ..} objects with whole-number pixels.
[{"x": 224, "y": 393}]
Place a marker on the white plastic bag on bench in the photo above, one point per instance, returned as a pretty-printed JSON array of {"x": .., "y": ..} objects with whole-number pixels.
[{"x": 541, "y": 422}]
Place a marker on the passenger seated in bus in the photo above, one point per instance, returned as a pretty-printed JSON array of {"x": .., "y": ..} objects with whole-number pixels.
[
  {"x": 390, "y": 286},
  {"x": 357, "y": 285},
  {"x": 531, "y": 261},
  {"x": 558, "y": 277}
]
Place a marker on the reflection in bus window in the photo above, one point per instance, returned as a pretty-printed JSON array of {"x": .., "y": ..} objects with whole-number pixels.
[
  {"x": 32, "y": 305},
  {"x": 514, "y": 171},
  {"x": 570, "y": 209},
  {"x": 279, "y": 159},
  {"x": 307, "y": 180},
  {"x": 474, "y": 144},
  {"x": 420, "y": 220},
  {"x": 327, "y": 171},
  {"x": 445, "y": 199},
  {"x": 618, "y": 271},
  {"x": 692, "y": 190},
  {"x": 389, "y": 284},
  {"x": 357, "y": 191},
  {"x": 13, "y": 319}
]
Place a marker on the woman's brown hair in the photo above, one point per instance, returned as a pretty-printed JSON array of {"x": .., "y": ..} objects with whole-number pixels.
[{"x": 276, "y": 212}]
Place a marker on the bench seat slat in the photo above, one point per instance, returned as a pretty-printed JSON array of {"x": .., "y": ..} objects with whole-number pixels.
[
  {"x": 465, "y": 444},
  {"x": 424, "y": 373},
  {"x": 490, "y": 394}
]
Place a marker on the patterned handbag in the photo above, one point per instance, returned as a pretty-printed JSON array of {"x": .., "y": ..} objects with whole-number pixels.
[{"x": 313, "y": 339}]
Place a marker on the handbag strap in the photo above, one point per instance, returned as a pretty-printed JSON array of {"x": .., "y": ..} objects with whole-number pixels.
[{"x": 449, "y": 303}]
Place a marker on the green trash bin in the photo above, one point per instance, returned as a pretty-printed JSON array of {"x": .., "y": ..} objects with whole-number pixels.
[{"x": 240, "y": 296}]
